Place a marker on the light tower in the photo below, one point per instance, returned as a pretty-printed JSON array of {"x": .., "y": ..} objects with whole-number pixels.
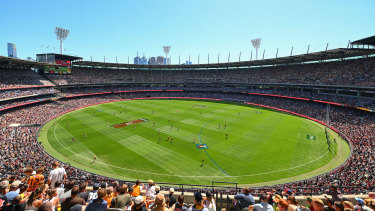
[
  {"x": 61, "y": 35},
  {"x": 256, "y": 45},
  {"x": 166, "y": 51}
]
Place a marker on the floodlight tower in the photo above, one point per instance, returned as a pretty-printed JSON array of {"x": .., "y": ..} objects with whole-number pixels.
[
  {"x": 61, "y": 35},
  {"x": 256, "y": 45},
  {"x": 166, "y": 51}
]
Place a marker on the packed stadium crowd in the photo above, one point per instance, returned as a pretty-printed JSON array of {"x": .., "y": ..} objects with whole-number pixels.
[
  {"x": 21, "y": 154},
  {"x": 355, "y": 72},
  {"x": 22, "y": 93},
  {"x": 13, "y": 78}
]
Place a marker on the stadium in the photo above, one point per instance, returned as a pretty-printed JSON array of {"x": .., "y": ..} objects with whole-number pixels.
[{"x": 299, "y": 123}]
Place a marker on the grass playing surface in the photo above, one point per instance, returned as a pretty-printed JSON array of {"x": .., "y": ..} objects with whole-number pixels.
[{"x": 263, "y": 146}]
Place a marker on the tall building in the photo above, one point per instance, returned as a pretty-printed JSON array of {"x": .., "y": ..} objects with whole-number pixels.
[
  {"x": 137, "y": 60},
  {"x": 160, "y": 60},
  {"x": 152, "y": 60},
  {"x": 167, "y": 61},
  {"x": 144, "y": 60},
  {"x": 12, "y": 51}
]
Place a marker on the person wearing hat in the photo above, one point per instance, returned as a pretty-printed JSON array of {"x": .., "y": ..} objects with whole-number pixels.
[
  {"x": 98, "y": 204},
  {"x": 361, "y": 205},
  {"x": 318, "y": 204},
  {"x": 172, "y": 197},
  {"x": 245, "y": 199},
  {"x": 94, "y": 193},
  {"x": 12, "y": 191},
  {"x": 198, "y": 204},
  {"x": 348, "y": 205},
  {"x": 139, "y": 205},
  {"x": 150, "y": 189},
  {"x": 159, "y": 203}
]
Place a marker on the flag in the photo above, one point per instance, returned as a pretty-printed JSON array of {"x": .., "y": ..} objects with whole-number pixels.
[{"x": 310, "y": 137}]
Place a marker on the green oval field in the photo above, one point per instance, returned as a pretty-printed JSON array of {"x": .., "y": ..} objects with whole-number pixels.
[{"x": 245, "y": 144}]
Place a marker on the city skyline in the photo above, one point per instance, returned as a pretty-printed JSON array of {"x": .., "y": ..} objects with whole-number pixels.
[{"x": 195, "y": 30}]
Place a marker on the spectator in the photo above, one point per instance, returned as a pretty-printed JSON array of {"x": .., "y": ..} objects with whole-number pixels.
[
  {"x": 98, "y": 204},
  {"x": 180, "y": 206},
  {"x": 82, "y": 191},
  {"x": 123, "y": 199},
  {"x": 72, "y": 200},
  {"x": 348, "y": 205},
  {"x": 318, "y": 204},
  {"x": 209, "y": 202},
  {"x": 36, "y": 180},
  {"x": 159, "y": 203},
  {"x": 309, "y": 203},
  {"x": 245, "y": 199},
  {"x": 109, "y": 196},
  {"x": 282, "y": 205},
  {"x": 94, "y": 193},
  {"x": 137, "y": 188},
  {"x": 263, "y": 205},
  {"x": 52, "y": 197},
  {"x": 339, "y": 206},
  {"x": 150, "y": 189},
  {"x": 3, "y": 198},
  {"x": 329, "y": 205},
  {"x": 198, "y": 204},
  {"x": 56, "y": 175},
  {"x": 172, "y": 198},
  {"x": 361, "y": 206},
  {"x": 334, "y": 193},
  {"x": 12, "y": 191},
  {"x": 46, "y": 206},
  {"x": 28, "y": 171},
  {"x": 35, "y": 199},
  {"x": 139, "y": 205}
]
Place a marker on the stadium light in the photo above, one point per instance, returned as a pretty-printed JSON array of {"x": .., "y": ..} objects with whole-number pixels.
[
  {"x": 166, "y": 51},
  {"x": 61, "y": 35},
  {"x": 256, "y": 45}
]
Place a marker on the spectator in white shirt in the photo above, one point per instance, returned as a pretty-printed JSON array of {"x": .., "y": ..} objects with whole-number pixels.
[{"x": 56, "y": 175}]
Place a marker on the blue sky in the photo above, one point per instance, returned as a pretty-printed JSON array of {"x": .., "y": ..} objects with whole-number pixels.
[{"x": 197, "y": 27}]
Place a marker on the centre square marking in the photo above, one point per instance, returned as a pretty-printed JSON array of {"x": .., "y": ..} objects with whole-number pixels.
[{"x": 124, "y": 124}]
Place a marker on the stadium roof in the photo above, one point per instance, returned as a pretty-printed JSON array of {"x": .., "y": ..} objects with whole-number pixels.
[
  {"x": 62, "y": 56},
  {"x": 9, "y": 61},
  {"x": 365, "y": 41},
  {"x": 338, "y": 53}
]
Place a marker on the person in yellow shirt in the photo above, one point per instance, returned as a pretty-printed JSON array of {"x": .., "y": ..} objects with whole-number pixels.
[{"x": 137, "y": 188}]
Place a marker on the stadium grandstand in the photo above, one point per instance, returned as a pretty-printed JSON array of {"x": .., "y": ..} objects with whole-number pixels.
[{"x": 305, "y": 84}]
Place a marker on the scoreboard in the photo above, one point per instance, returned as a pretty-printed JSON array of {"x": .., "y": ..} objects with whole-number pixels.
[
  {"x": 64, "y": 67},
  {"x": 57, "y": 63}
]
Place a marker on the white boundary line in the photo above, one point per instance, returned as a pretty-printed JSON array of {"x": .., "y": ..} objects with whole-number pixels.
[{"x": 145, "y": 172}]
